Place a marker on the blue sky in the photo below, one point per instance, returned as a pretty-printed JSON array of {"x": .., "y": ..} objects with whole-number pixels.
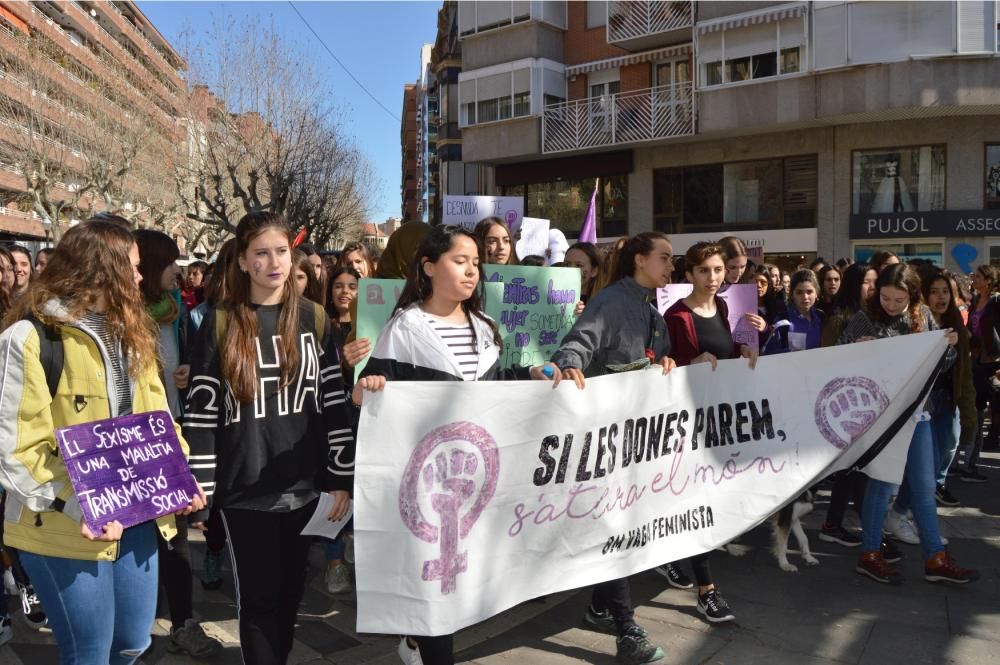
[{"x": 378, "y": 41}]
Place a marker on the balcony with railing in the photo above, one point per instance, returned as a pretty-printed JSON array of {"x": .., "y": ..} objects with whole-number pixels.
[
  {"x": 636, "y": 116},
  {"x": 643, "y": 24}
]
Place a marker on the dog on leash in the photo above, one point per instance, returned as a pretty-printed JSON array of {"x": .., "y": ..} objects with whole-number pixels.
[{"x": 787, "y": 521}]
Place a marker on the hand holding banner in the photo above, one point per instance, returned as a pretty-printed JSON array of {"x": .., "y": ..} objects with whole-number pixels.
[{"x": 472, "y": 498}]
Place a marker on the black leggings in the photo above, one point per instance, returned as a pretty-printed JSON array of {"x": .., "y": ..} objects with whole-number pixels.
[
  {"x": 701, "y": 569},
  {"x": 847, "y": 486},
  {"x": 437, "y": 650},
  {"x": 270, "y": 561},
  {"x": 175, "y": 572}
]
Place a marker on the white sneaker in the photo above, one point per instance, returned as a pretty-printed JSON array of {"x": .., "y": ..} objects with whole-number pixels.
[
  {"x": 901, "y": 528},
  {"x": 9, "y": 585},
  {"x": 338, "y": 580},
  {"x": 407, "y": 655},
  {"x": 6, "y": 630}
]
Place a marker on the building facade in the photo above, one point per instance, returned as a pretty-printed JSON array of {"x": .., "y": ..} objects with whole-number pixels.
[
  {"x": 824, "y": 128},
  {"x": 412, "y": 208},
  {"x": 69, "y": 70},
  {"x": 449, "y": 174}
]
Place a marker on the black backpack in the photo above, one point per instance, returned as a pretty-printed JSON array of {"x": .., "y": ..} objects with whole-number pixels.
[{"x": 50, "y": 352}]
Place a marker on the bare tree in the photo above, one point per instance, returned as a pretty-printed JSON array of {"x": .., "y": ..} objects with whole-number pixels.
[{"x": 267, "y": 137}]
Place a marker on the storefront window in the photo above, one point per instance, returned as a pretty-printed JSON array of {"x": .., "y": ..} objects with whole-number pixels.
[
  {"x": 751, "y": 192},
  {"x": 930, "y": 251},
  {"x": 776, "y": 193},
  {"x": 564, "y": 203},
  {"x": 992, "y": 176},
  {"x": 899, "y": 179}
]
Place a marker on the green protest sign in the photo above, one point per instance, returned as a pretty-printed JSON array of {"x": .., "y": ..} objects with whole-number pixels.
[
  {"x": 536, "y": 310},
  {"x": 376, "y": 300},
  {"x": 533, "y": 308}
]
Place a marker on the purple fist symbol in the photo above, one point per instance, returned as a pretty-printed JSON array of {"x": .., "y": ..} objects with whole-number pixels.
[
  {"x": 444, "y": 471},
  {"x": 847, "y": 408}
]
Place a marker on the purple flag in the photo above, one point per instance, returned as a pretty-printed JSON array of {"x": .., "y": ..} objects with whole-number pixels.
[{"x": 588, "y": 232}]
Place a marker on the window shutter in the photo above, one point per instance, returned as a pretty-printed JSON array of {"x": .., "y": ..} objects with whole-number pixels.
[{"x": 800, "y": 182}]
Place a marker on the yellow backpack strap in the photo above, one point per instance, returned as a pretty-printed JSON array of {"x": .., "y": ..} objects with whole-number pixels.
[
  {"x": 321, "y": 322},
  {"x": 220, "y": 328}
]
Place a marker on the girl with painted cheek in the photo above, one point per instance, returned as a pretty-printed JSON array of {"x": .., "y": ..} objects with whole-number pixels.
[
  {"x": 439, "y": 332},
  {"x": 897, "y": 309},
  {"x": 269, "y": 431}
]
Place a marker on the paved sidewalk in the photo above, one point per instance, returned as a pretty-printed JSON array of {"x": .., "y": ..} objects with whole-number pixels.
[{"x": 819, "y": 616}]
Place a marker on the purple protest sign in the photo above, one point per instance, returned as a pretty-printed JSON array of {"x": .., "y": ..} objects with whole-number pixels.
[
  {"x": 740, "y": 299},
  {"x": 130, "y": 469}
]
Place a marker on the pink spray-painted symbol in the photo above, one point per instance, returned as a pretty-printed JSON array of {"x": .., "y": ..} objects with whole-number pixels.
[
  {"x": 847, "y": 407},
  {"x": 511, "y": 218},
  {"x": 445, "y": 470}
]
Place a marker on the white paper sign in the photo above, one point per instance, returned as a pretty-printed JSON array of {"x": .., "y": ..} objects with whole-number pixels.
[
  {"x": 474, "y": 497},
  {"x": 468, "y": 211},
  {"x": 319, "y": 525},
  {"x": 534, "y": 237}
]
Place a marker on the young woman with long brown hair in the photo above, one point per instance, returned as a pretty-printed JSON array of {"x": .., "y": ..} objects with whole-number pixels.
[
  {"x": 268, "y": 423},
  {"x": 497, "y": 241},
  {"x": 896, "y": 309},
  {"x": 99, "y": 588}
]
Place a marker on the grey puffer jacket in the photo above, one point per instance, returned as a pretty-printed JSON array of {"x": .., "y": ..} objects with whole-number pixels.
[{"x": 615, "y": 329}]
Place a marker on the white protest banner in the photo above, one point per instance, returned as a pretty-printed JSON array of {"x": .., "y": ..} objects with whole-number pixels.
[
  {"x": 468, "y": 211},
  {"x": 534, "y": 237},
  {"x": 472, "y": 498}
]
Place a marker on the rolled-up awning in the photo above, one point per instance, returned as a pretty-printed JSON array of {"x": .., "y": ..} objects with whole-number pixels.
[
  {"x": 631, "y": 59},
  {"x": 777, "y": 13}
]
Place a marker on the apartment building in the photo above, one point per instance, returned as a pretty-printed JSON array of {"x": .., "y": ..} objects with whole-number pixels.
[
  {"x": 449, "y": 174},
  {"x": 63, "y": 65},
  {"x": 412, "y": 203},
  {"x": 823, "y": 128}
]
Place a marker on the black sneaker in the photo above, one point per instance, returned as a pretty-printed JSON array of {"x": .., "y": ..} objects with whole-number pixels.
[
  {"x": 602, "y": 621},
  {"x": 945, "y": 498},
  {"x": 34, "y": 616},
  {"x": 972, "y": 477},
  {"x": 839, "y": 535},
  {"x": 634, "y": 647},
  {"x": 675, "y": 576},
  {"x": 890, "y": 552},
  {"x": 714, "y": 607}
]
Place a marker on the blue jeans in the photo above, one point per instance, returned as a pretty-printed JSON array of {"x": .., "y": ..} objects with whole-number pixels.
[
  {"x": 945, "y": 430},
  {"x": 917, "y": 492},
  {"x": 100, "y": 612}
]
